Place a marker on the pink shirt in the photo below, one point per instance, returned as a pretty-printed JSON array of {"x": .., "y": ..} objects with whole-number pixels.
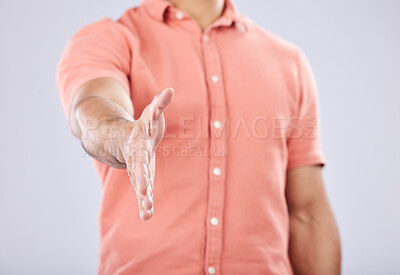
[{"x": 245, "y": 110}]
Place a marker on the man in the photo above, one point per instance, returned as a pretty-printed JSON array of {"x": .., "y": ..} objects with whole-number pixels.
[{"x": 214, "y": 122}]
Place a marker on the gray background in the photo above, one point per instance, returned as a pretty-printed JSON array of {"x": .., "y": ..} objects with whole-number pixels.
[{"x": 50, "y": 194}]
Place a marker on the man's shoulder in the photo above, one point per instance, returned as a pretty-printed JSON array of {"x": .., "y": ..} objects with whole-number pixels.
[
  {"x": 122, "y": 26},
  {"x": 271, "y": 41}
]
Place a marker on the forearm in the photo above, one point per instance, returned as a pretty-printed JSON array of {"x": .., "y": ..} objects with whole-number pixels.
[
  {"x": 102, "y": 118},
  {"x": 101, "y": 125},
  {"x": 314, "y": 246}
]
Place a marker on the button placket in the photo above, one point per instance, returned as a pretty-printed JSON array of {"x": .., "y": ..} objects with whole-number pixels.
[
  {"x": 214, "y": 78},
  {"x": 179, "y": 15},
  {"x": 215, "y": 205},
  {"x": 211, "y": 270},
  {"x": 214, "y": 221},
  {"x": 217, "y": 171}
]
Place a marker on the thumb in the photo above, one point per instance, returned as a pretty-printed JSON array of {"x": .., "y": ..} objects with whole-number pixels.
[{"x": 160, "y": 102}]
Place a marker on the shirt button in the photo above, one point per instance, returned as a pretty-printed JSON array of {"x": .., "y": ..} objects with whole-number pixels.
[
  {"x": 179, "y": 15},
  {"x": 211, "y": 270},
  {"x": 206, "y": 38},
  {"x": 214, "y": 78},
  {"x": 217, "y": 171},
  {"x": 217, "y": 124},
  {"x": 214, "y": 221}
]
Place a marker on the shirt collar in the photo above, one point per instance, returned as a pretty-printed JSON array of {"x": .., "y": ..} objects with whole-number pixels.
[{"x": 157, "y": 8}]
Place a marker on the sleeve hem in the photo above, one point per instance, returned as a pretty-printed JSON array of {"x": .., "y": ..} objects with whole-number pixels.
[
  {"x": 83, "y": 79},
  {"x": 307, "y": 159}
]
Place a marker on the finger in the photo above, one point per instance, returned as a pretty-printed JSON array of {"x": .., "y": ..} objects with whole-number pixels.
[
  {"x": 145, "y": 214},
  {"x": 141, "y": 168},
  {"x": 150, "y": 189},
  {"x": 131, "y": 174},
  {"x": 145, "y": 202},
  {"x": 144, "y": 193},
  {"x": 160, "y": 102},
  {"x": 152, "y": 168}
]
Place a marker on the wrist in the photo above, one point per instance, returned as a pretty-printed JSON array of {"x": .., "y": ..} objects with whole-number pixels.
[{"x": 124, "y": 130}]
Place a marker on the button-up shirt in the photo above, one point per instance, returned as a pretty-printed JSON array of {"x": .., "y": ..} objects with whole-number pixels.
[{"x": 245, "y": 110}]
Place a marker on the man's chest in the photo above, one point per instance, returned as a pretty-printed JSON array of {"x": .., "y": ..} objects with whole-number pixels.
[{"x": 235, "y": 81}]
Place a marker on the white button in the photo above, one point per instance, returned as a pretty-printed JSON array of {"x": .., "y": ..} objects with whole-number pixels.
[
  {"x": 179, "y": 15},
  {"x": 217, "y": 171},
  {"x": 206, "y": 38},
  {"x": 214, "y": 78},
  {"x": 217, "y": 124},
  {"x": 211, "y": 270},
  {"x": 214, "y": 221}
]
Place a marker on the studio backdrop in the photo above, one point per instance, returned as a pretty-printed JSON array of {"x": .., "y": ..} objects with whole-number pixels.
[{"x": 50, "y": 193}]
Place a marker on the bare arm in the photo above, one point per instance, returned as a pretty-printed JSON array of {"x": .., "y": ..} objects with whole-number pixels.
[
  {"x": 314, "y": 246},
  {"x": 100, "y": 107},
  {"x": 102, "y": 118}
]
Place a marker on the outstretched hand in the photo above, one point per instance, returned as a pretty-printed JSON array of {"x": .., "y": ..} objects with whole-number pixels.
[{"x": 138, "y": 150}]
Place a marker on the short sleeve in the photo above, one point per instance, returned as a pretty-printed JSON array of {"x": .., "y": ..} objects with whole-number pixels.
[
  {"x": 100, "y": 49},
  {"x": 304, "y": 142}
]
